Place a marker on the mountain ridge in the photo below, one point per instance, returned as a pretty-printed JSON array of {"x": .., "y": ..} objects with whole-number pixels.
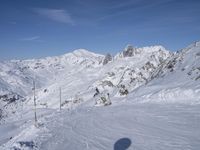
[{"x": 80, "y": 72}]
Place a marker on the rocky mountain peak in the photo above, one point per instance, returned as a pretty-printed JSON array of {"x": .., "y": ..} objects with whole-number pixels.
[
  {"x": 130, "y": 51},
  {"x": 107, "y": 58}
]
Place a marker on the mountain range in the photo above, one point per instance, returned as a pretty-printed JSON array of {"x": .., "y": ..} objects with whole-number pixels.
[
  {"x": 148, "y": 94},
  {"x": 146, "y": 74}
]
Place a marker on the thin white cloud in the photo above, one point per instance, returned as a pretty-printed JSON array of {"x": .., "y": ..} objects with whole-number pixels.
[
  {"x": 58, "y": 15},
  {"x": 33, "y": 38},
  {"x": 131, "y": 5}
]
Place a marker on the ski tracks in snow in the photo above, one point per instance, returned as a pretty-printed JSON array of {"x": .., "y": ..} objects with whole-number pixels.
[{"x": 148, "y": 126}]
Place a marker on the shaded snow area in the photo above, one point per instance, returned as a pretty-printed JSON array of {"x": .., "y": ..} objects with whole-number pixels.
[{"x": 135, "y": 126}]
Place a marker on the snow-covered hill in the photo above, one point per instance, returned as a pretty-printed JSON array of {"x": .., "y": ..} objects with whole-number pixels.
[
  {"x": 131, "y": 68},
  {"x": 148, "y": 73},
  {"x": 17, "y": 76},
  {"x": 79, "y": 72},
  {"x": 175, "y": 80},
  {"x": 135, "y": 75}
]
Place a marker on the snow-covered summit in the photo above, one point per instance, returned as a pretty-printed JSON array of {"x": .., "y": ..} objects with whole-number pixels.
[
  {"x": 131, "y": 68},
  {"x": 130, "y": 51},
  {"x": 83, "y": 57},
  {"x": 85, "y": 53},
  {"x": 178, "y": 78},
  {"x": 17, "y": 75},
  {"x": 79, "y": 72}
]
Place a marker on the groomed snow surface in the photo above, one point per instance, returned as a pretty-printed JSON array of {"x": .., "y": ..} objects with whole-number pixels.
[{"x": 119, "y": 126}]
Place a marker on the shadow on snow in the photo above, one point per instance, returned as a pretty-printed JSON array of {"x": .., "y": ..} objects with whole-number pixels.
[{"x": 122, "y": 144}]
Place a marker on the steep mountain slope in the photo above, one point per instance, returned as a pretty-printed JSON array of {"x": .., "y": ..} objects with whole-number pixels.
[
  {"x": 149, "y": 74},
  {"x": 176, "y": 80},
  {"x": 17, "y": 76},
  {"x": 127, "y": 72},
  {"x": 78, "y": 74}
]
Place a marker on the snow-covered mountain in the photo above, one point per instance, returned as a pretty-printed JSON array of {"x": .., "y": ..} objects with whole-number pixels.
[
  {"x": 175, "y": 80},
  {"x": 17, "y": 76},
  {"x": 80, "y": 72},
  {"x": 131, "y": 77},
  {"x": 145, "y": 74},
  {"x": 131, "y": 68}
]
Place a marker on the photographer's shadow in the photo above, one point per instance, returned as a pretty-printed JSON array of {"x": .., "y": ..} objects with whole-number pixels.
[{"x": 122, "y": 144}]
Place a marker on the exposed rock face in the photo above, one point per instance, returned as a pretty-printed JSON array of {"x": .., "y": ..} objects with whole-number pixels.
[
  {"x": 122, "y": 90},
  {"x": 107, "y": 59},
  {"x": 129, "y": 51},
  {"x": 131, "y": 68}
]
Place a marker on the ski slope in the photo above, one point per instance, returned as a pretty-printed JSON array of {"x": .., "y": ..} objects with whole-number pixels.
[{"x": 147, "y": 126}]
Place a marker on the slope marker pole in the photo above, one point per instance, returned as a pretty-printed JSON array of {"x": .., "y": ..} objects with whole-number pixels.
[
  {"x": 34, "y": 98},
  {"x": 60, "y": 97}
]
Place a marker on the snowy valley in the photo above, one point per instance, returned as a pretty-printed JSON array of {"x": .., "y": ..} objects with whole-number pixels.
[{"x": 149, "y": 96}]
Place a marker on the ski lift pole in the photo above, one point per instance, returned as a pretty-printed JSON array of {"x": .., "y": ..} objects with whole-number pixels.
[
  {"x": 34, "y": 98},
  {"x": 60, "y": 97}
]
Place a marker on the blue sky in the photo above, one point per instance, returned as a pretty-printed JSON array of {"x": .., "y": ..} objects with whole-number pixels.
[{"x": 38, "y": 28}]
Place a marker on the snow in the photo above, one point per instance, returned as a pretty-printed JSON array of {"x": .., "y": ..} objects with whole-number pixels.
[
  {"x": 178, "y": 83},
  {"x": 161, "y": 110},
  {"x": 77, "y": 73},
  {"x": 147, "y": 126}
]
